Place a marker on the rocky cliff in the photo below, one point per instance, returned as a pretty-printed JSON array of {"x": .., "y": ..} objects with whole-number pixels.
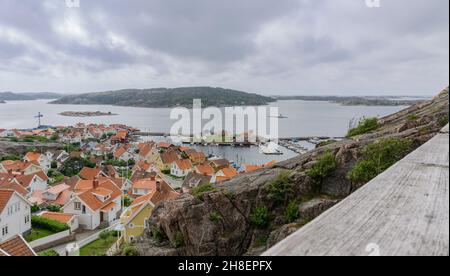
[{"x": 243, "y": 217}]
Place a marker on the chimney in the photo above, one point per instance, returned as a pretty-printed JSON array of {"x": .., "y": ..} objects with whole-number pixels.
[
  {"x": 152, "y": 177},
  {"x": 95, "y": 183},
  {"x": 158, "y": 186}
]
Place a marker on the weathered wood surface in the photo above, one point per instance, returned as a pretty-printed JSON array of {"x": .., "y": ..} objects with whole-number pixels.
[{"x": 403, "y": 212}]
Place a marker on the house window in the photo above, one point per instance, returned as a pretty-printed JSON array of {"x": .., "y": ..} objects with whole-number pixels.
[
  {"x": 146, "y": 223},
  {"x": 5, "y": 231},
  {"x": 77, "y": 205},
  {"x": 132, "y": 238},
  {"x": 27, "y": 219}
]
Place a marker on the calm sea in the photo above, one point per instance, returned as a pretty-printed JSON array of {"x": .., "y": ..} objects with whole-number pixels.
[{"x": 305, "y": 118}]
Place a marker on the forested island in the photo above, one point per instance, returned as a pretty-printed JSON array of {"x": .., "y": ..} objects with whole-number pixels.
[
  {"x": 165, "y": 97},
  {"x": 355, "y": 101},
  {"x": 10, "y": 96}
]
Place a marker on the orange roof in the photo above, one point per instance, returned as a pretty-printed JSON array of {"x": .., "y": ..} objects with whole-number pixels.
[
  {"x": 146, "y": 184},
  {"x": 252, "y": 168},
  {"x": 61, "y": 217},
  {"x": 184, "y": 164},
  {"x": 89, "y": 198},
  {"x": 16, "y": 246},
  {"x": 90, "y": 173},
  {"x": 205, "y": 169},
  {"x": 5, "y": 196},
  {"x": 13, "y": 186},
  {"x": 108, "y": 207},
  {"x": 118, "y": 153},
  {"x": 32, "y": 156},
  {"x": 229, "y": 172},
  {"x": 221, "y": 179},
  {"x": 122, "y": 134},
  {"x": 101, "y": 192},
  {"x": 164, "y": 145},
  {"x": 145, "y": 150}
]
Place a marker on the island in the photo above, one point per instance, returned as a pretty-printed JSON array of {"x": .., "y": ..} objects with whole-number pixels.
[
  {"x": 168, "y": 98},
  {"x": 358, "y": 101},
  {"x": 86, "y": 114}
]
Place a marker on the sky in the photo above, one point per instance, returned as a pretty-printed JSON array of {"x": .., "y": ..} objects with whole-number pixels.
[{"x": 270, "y": 47}]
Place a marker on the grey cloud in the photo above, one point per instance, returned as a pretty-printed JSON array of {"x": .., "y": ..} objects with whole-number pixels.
[{"x": 307, "y": 45}]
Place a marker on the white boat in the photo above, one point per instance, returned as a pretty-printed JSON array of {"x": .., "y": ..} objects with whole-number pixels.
[{"x": 270, "y": 149}]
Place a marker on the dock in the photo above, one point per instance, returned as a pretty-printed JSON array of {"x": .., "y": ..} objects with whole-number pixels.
[{"x": 402, "y": 212}]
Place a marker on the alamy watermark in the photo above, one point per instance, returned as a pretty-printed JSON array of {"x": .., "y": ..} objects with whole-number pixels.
[
  {"x": 373, "y": 3},
  {"x": 73, "y": 3},
  {"x": 225, "y": 125}
]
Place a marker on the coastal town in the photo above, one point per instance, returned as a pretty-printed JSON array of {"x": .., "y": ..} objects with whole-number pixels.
[{"x": 94, "y": 194}]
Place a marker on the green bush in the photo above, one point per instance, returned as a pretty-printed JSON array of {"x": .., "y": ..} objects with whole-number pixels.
[
  {"x": 11, "y": 157},
  {"x": 50, "y": 253},
  {"x": 363, "y": 172},
  {"x": 443, "y": 121},
  {"x": 377, "y": 158},
  {"x": 413, "y": 117},
  {"x": 179, "y": 240},
  {"x": 130, "y": 251},
  {"x": 35, "y": 208},
  {"x": 157, "y": 235},
  {"x": 292, "y": 213},
  {"x": 48, "y": 224},
  {"x": 326, "y": 165},
  {"x": 260, "y": 217},
  {"x": 215, "y": 217},
  {"x": 325, "y": 143},
  {"x": 280, "y": 189},
  {"x": 53, "y": 208},
  {"x": 365, "y": 126},
  {"x": 201, "y": 189}
]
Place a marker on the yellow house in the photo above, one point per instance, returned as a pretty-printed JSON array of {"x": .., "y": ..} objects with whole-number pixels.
[{"x": 134, "y": 218}]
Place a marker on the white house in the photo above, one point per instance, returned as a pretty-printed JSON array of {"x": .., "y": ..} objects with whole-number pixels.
[
  {"x": 97, "y": 206},
  {"x": 15, "y": 215},
  {"x": 33, "y": 182},
  {"x": 41, "y": 159},
  {"x": 181, "y": 168}
]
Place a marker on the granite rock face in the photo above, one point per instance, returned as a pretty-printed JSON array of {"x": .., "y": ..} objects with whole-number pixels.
[{"x": 219, "y": 222}]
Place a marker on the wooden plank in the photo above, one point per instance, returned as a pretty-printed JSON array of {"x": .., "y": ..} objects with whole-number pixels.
[{"x": 403, "y": 212}]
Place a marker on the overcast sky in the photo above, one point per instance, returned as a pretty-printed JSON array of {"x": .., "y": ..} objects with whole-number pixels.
[{"x": 285, "y": 47}]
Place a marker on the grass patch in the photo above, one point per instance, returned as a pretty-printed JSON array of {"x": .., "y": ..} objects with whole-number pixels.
[
  {"x": 260, "y": 217},
  {"x": 292, "y": 213},
  {"x": 38, "y": 233},
  {"x": 202, "y": 189},
  {"x": 280, "y": 189},
  {"x": 179, "y": 240},
  {"x": 100, "y": 246},
  {"x": 326, "y": 165},
  {"x": 443, "y": 121},
  {"x": 413, "y": 117},
  {"x": 49, "y": 253},
  {"x": 377, "y": 158},
  {"x": 364, "y": 126},
  {"x": 325, "y": 143},
  {"x": 215, "y": 217}
]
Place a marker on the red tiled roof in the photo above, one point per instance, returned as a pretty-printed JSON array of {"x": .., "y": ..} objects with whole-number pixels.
[
  {"x": 5, "y": 196},
  {"x": 18, "y": 247}
]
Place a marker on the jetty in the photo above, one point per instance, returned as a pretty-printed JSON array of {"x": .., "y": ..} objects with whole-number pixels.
[{"x": 402, "y": 212}]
